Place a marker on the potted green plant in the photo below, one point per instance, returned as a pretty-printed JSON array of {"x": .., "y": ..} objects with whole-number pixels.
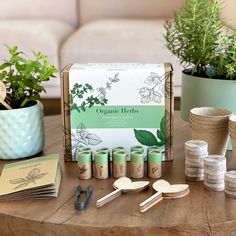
[
  {"x": 21, "y": 116},
  {"x": 207, "y": 50}
]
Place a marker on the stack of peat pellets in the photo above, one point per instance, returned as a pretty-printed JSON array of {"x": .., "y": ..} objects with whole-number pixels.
[
  {"x": 195, "y": 152},
  {"x": 230, "y": 184},
  {"x": 214, "y": 172}
]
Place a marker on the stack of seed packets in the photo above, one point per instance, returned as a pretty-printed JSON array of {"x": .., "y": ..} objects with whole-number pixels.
[
  {"x": 195, "y": 152},
  {"x": 214, "y": 172},
  {"x": 230, "y": 184}
]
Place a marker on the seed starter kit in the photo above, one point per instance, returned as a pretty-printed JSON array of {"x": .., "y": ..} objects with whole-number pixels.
[{"x": 117, "y": 105}]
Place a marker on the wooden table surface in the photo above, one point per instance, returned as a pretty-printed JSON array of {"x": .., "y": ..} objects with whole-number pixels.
[{"x": 200, "y": 213}]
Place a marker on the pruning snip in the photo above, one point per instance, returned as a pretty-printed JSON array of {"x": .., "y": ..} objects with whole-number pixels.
[{"x": 85, "y": 194}]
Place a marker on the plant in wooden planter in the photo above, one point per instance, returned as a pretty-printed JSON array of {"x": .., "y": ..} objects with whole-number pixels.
[
  {"x": 207, "y": 50},
  {"x": 21, "y": 113}
]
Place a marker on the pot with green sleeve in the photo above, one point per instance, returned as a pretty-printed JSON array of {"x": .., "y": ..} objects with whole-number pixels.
[
  {"x": 137, "y": 164},
  {"x": 119, "y": 164},
  {"x": 154, "y": 164},
  {"x": 101, "y": 165},
  {"x": 84, "y": 165}
]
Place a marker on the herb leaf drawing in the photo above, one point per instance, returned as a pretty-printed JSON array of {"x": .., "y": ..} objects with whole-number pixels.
[
  {"x": 147, "y": 138},
  {"x": 92, "y": 139},
  {"x": 82, "y": 138},
  {"x": 78, "y": 92},
  {"x": 154, "y": 169},
  {"x": 121, "y": 169},
  {"x": 139, "y": 168},
  {"x": 32, "y": 176},
  {"x": 100, "y": 170},
  {"x": 154, "y": 89},
  {"x": 82, "y": 169}
]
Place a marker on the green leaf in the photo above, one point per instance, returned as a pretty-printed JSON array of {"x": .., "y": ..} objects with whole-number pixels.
[
  {"x": 162, "y": 125},
  {"x": 24, "y": 102},
  {"x": 161, "y": 135},
  {"x": 91, "y": 104},
  {"x": 145, "y": 137},
  {"x": 35, "y": 97},
  {"x": 104, "y": 100},
  {"x": 5, "y": 65}
]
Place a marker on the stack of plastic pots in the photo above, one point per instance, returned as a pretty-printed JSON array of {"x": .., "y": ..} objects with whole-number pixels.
[{"x": 211, "y": 125}]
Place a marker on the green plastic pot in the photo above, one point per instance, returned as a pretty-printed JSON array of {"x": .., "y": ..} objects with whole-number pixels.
[{"x": 203, "y": 92}]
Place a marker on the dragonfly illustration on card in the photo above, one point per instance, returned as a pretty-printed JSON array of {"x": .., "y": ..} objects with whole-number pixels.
[{"x": 31, "y": 177}]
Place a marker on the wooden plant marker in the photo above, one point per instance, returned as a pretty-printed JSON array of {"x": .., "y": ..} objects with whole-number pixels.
[
  {"x": 3, "y": 93},
  {"x": 123, "y": 184},
  {"x": 164, "y": 191},
  {"x": 136, "y": 186},
  {"x": 159, "y": 186},
  {"x": 176, "y": 191}
]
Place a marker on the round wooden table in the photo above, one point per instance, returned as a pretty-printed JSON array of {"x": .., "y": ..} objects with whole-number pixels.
[{"x": 200, "y": 213}]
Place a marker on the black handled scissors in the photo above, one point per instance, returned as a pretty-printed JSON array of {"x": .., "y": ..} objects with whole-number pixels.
[{"x": 81, "y": 205}]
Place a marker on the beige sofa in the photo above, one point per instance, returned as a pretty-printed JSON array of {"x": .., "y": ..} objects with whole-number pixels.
[{"x": 84, "y": 31}]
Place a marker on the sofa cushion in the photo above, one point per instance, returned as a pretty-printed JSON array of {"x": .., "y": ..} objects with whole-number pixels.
[
  {"x": 120, "y": 41},
  {"x": 62, "y": 10},
  {"x": 35, "y": 35},
  {"x": 90, "y": 10},
  {"x": 227, "y": 13}
]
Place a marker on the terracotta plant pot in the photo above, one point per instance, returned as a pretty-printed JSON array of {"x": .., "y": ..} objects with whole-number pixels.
[
  {"x": 211, "y": 114},
  {"x": 217, "y": 141},
  {"x": 206, "y": 128},
  {"x": 208, "y": 123},
  {"x": 232, "y": 130},
  {"x": 211, "y": 125}
]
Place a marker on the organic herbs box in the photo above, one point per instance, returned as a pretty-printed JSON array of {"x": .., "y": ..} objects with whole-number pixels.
[{"x": 110, "y": 105}]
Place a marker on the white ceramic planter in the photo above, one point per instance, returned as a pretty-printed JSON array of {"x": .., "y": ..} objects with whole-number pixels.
[{"x": 21, "y": 132}]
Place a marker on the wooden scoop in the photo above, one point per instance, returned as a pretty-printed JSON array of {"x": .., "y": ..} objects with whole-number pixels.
[
  {"x": 3, "y": 93},
  {"x": 159, "y": 186},
  {"x": 123, "y": 184}
]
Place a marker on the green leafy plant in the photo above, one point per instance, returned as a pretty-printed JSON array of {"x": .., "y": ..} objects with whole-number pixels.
[
  {"x": 197, "y": 38},
  {"x": 78, "y": 91},
  {"x": 147, "y": 138},
  {"x": 23, "y": 77}
]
